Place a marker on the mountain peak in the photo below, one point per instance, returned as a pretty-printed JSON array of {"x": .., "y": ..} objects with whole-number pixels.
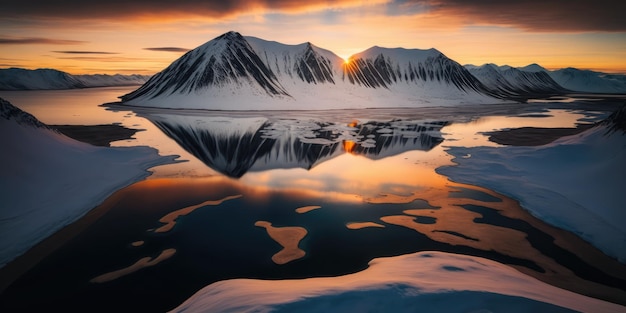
[
  {"x": 534, "y": 67},
  {"x": 398, "y": 53},
  {"x": 231, "y": 35},
  {"x": 227, "y": 62}
]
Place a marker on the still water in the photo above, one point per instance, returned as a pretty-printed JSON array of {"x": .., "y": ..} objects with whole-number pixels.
[{"x": 279, "y": 195}]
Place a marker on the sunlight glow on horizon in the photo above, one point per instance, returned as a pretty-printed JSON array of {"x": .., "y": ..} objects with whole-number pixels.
[{"x": 338, "y": 28}]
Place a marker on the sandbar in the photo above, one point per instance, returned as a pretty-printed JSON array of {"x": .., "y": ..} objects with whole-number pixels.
[
  {"x": 309, "y": 208},
  {"x": 142, "y": 263},
  {"x": 288, "y": 237},
  {"x": 360, "y": 225},
  {"x": 170, "y": 219}
]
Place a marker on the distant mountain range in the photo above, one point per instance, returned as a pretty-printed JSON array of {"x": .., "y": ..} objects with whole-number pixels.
[
  {"x": 515, "y": 83},
  {"x": 535, "y": 79},
  {"x": 48, "y": 79}
]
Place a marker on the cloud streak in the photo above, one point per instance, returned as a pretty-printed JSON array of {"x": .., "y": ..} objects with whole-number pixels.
[
  {"x": 101, "y": 59},
  {"x": 83, "y": 52},
  {"x": 38, "y": 41},
  {"x": 167, "y": 49},
  {"x": 530, "y": 15},
  {"x": 536, "y": 15}
]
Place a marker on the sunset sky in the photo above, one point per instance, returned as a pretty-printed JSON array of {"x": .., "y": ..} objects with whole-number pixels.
[{"x": 144, "y": 36}]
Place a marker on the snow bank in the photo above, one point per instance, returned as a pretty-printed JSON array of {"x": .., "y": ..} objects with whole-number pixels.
[
  {"x": 419, "y": 282},
  {"x": 48, "y": 180},
  {"x": 575, "y": 183}
]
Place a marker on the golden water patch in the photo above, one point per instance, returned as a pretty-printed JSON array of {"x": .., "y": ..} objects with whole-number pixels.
[
  {"x": 360, "y": 225},
  {"x": 137, "y": 243},
  {"x": 288, "y": 237},
  {"x": 309, "y": 208},
  {"x": 170, "y": 219},
  {"x": 456, "y": 226},
  {"x": 142, "y": 263}
]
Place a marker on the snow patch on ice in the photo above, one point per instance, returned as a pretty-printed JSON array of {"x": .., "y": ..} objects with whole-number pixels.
[
  {"x": 48, "y": 180},
  {"x": 575, "y": 183},
  {"x": 424, "y": 281}
]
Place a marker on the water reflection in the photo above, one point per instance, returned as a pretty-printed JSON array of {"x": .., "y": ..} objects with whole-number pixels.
[
  {"x": 234, "y": 146},
  {"x": 308, "y": 194}
]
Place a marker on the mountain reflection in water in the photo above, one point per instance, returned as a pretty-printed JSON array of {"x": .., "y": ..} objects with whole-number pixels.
[{"x": 235, "y": 145}]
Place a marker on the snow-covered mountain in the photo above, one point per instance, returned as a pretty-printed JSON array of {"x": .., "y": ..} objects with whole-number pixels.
[
  {"x": 49, "y": 79},
  {"x": 49, "y": 180},
  {"x": 583, "y": 80},
  {"x": 234, "y": 146},
  {"x": 233, "y": 72},
  {"x": 515, "y": 83}
]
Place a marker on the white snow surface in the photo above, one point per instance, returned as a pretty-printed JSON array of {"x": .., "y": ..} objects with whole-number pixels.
[
  {"x": 419, "y": 282},
  {"x": 575, "y": 183},
  {"x": 401, "y": 56},
  {"x": 49, "y": 180}
]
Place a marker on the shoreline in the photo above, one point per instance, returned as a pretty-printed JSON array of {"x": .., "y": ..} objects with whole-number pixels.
[{"x": 19, "y": 266}]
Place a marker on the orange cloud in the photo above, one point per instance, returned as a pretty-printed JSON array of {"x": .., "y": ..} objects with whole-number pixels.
[{"x": 122, "y": 9}]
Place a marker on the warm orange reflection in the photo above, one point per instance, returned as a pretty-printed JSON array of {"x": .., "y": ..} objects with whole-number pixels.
[
  {"x": 350, "y": 178},
  {"x": 456, "y": 225},
  {"x": 349, "y": 146}
]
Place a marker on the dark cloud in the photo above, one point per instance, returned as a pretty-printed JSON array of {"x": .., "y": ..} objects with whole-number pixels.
[
  {"x": 84, "y": 52},
  {"x": 113, "y": 9},
  {"x": 38, "y": 41},
  {"x": 168, "y": 49},
  {"x": 537, "y": 15},
  {"x": 101, "y": 59}
]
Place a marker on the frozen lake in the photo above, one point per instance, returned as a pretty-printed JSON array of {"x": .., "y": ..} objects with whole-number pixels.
[{"x": 282, "y": 195}]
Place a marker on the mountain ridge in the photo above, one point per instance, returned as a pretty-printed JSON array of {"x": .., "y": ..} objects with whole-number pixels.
[
  {"x": 51, "y": 79},
  {"x": 515, "y": 82},
  {"x": 233, "y": 72},
  {"x": 569, "y": 78}
]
